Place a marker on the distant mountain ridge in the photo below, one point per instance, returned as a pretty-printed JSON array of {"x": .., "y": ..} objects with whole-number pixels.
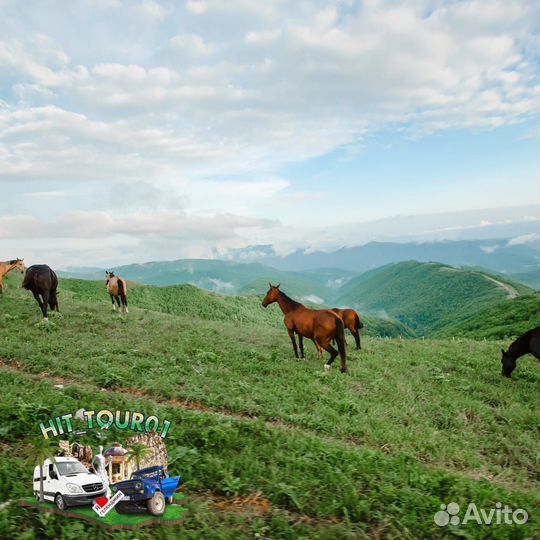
[
  {"x": 505, "y": 255},
  {"x": 414, "y": 298}
]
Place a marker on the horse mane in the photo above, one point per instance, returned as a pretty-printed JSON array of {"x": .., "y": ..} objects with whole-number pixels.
[
  {"x": 13, "y": 261},
  {"x": 519, "y": 347},
  {"x": 289, "y": 300}
]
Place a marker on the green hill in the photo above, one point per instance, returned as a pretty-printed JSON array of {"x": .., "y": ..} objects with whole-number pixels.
[
  {"x": 426, "y": 296},
  {"x": 269, "y": 446},
  {"x": 505, "y": 320},
  {"x": 192, "y": 301},
  {"x": 226, "y": 277}
]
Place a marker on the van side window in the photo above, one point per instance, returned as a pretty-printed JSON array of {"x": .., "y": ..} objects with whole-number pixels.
[{"x": 51, "y": 470}]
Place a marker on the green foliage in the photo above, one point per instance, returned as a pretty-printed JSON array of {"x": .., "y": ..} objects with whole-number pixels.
[
  {"x": 358, "y": 488},
  {"x": 137, "y": 452}
]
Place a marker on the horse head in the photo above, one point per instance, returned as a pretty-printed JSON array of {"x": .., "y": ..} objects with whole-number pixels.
[
  {"x": 20, "y": 265},
  {"x": 508, "y": 363},
  {"x": 271, "y": 295}
]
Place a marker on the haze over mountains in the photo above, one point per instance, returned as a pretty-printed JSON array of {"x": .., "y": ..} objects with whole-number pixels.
[
  {"x": 321, "y": 273},
  {"x": 501, "y": 255}
]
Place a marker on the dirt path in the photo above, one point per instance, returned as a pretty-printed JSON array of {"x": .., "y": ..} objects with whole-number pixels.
[
  {"x": 512, "y": 293},
  {"x": 187, "y": 404}
]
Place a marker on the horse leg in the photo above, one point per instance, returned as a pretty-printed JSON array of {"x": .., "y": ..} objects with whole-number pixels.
[
  {"x": 54, "y": 303},
  {"x": 356, "y": 335},
  {"x": 291, "y": 335},
  {"x": 117, "y": 298},
  {"x": 45, "y": 304},
  {"x": 38, "y": 300},
  {"x": 333, "y": 353},
  {"x": 1, "y": 286},
  {"x": 112, "y": 300},
  {"x": 124, "y": 302},
  {"x": 301, "y": 343}
]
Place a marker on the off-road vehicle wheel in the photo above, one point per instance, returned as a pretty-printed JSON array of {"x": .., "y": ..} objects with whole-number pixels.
[{"x": 156, "y": 505}]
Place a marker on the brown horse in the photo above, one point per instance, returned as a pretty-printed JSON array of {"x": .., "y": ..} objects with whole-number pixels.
[
  {"x": 319, "y": 325},
  {"x": 117, "y": 289},
  {"x": 42, "y": 281},
  {"x": 352, "y": 321},
  {"x": 8, "y": 266}
]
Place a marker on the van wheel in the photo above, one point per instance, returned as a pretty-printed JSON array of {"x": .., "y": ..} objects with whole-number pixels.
[
  {"x": 36, "y": 495},
  {"x": 60, "y": 502},
  {"x": 156, "y": 505}
]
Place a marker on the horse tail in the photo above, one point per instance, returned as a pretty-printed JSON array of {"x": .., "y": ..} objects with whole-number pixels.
[
  {"x": 358, "y": 322},
  {"x": 340, "y": 338},
  {"x": 121, "y": 287}
]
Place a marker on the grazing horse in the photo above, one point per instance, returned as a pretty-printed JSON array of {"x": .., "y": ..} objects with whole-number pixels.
[
  {"x": 529, "y": 342},
  {"x": 41, "y": 280},
  {"x": 352, "y": 321},
  {"x": 8, "y": 266},
  {"x": 319, "y": 325},
  {"x": 117, "y": 289}
]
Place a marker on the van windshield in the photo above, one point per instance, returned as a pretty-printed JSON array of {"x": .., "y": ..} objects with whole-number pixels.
[{"x": 70, "y": 467}]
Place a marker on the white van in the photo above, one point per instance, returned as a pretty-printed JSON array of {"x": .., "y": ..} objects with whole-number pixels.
[{"x": 68, "y": 483}]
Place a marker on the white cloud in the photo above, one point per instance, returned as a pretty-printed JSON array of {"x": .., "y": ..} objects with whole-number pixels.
[
  {"x": 490, "y": 249},
  {"x": 46, "y": 194},
  {"x": 297, "y": 90},
  {"x": 197, "y": 7},
  {"x": 523, "y": 239},
  {"x": 93, "y": 224},
  {"x": 262, "y": 38},
  {"x": 191, "y": 44},
  {"x": 187, "y": 110},
  {"x": 312, "y": 298},
  {"x": 153, "y": 10},
  {"x": 220, "y": 285}
]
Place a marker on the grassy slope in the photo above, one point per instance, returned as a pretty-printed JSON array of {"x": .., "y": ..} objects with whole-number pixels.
[
  {"x": 413, "y": 425},
  {"x": 424, "y": 296},
  {"x": 189, "y": 300},
  {"x": 508, "y": 319}
]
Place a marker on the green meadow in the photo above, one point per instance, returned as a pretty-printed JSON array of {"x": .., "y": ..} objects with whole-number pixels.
[{"x": 370, "y": 454}]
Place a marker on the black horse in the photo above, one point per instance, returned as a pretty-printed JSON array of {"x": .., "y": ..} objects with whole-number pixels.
[
  {"x": 529, "y": 342},
  {"x": 41, "y": 280}
]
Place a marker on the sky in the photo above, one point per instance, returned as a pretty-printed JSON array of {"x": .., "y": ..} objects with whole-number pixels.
[{"x": 154, "y": 130}]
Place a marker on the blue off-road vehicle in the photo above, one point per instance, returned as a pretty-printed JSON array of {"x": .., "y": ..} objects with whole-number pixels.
[{"x": 148, "y": 489}]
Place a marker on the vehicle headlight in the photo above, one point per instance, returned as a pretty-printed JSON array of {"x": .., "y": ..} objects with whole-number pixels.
[
  {"x": 74, "y": 488},
  {"x": 138, "y": 485}
]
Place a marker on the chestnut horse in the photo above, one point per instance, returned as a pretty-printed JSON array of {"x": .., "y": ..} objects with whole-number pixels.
[
  {"x": 8, "y": 266},
  {"x": 41, "y": 280},
  {"x": 117, "y": 289},
  {"x": 320, "y": 325},
  {"x": 352, "y": 321}
]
